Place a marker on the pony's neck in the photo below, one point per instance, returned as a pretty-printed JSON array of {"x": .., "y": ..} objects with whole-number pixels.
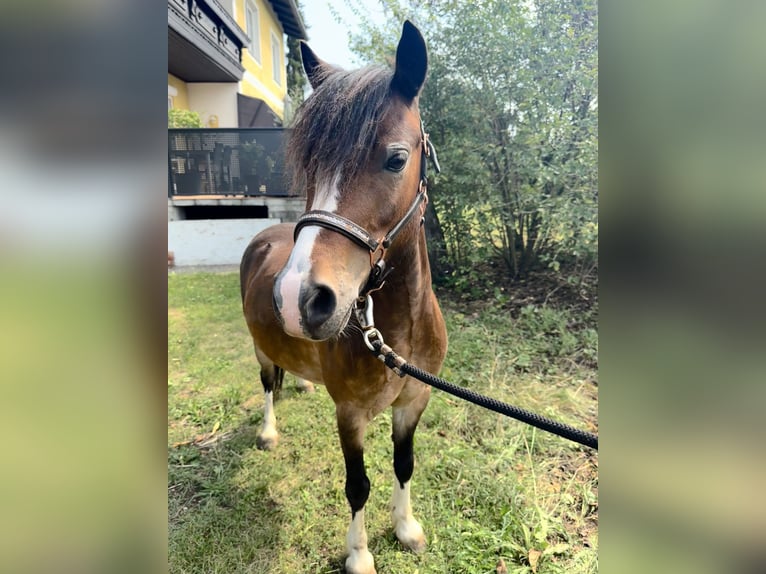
[{"x": 410, "y": 280}]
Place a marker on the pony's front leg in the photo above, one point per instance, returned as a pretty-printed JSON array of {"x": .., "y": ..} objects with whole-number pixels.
[
  {"x": 351, "y": 426},
  {"x": 271, "y": 379},
  {"x": 404, "y": 421}
]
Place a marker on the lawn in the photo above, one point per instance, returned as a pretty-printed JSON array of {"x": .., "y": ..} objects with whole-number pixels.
[{"x": 486, "y": 488}]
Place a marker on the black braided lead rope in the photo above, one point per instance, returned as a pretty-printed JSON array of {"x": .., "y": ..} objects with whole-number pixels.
[{"x": 401, "y": 367}]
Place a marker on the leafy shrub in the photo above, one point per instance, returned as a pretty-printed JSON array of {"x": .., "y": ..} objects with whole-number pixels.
[{"x": 183, "y": 119}]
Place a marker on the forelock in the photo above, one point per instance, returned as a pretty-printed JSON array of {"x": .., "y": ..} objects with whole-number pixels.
[{"x": 336, "y": 128}]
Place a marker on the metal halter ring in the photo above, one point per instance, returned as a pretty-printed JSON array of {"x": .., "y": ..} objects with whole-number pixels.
[
  {"x": 370, "y": 333},
  {"x": 380, "y": 248}
]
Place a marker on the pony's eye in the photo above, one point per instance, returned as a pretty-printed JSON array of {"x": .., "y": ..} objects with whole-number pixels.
[{"x": 397, "y": 161}]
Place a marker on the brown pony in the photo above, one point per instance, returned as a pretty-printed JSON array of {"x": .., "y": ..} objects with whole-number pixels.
[{"x": 358, "y": 151}]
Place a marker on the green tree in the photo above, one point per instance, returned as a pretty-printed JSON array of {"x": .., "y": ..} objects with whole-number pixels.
[
  {"x": 296, "y": 79},
  {"x": 511, "y": 103}
]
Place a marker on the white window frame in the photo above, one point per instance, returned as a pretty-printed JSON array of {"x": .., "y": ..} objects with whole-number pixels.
[
  {"x": 276, "y": 60},
  {"x": 252, "y": 23},
  {"x": 172, "y": 93}
]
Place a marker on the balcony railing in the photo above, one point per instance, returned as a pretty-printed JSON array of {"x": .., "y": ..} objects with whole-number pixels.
[{"x": 227, "y": 162}]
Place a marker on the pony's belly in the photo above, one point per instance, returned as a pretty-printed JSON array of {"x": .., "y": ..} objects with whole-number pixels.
[
  {"x": 304, "y": 370},
  {"x": 306, "y": 376}
]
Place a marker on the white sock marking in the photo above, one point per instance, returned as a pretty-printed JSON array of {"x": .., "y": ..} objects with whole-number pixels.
[
  {"x": 359, "y": 560},
  {"x": 407, "y": 529},
  {"x": 269, "y": 428}
]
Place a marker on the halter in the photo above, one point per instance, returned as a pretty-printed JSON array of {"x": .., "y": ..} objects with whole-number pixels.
[{"x": 360, "y": 236}]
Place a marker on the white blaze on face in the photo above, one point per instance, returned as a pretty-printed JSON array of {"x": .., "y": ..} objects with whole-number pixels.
[{"x": 298, "y": 267}]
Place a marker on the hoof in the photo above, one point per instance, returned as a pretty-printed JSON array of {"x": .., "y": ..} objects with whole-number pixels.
[
  {"x": 305, "y": 386},
  {"x": 410, "y": 535},
  {"x": 267, "y": 442},
  {"x": 360, "y": 562}
]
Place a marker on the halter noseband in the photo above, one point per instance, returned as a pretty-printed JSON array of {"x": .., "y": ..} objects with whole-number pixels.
[{"x": 360, "y": 236}]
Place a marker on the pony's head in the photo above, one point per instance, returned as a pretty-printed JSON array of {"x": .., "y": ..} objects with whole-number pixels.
[{"x": 355, "y": 149}]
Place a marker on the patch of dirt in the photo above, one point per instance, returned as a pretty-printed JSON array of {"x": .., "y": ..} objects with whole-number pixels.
[
  {"x": 174, "y": 313},
  {"x": 585, "y": 527},
  {"x": 493, "y": 286}
]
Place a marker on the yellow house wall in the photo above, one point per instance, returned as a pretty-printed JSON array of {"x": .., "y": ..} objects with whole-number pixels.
[
  {"x": 181, "y": 99},
  {"x": 258, "y": 81},
  {"x": 215, "y": 102}
]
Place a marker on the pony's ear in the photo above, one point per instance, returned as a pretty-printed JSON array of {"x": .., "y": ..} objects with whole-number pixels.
[
  {"x": 316, "y": 69},
  {"x": 411, "y": 62}
]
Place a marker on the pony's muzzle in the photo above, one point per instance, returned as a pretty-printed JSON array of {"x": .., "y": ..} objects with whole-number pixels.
[
  {"x": 306, "y": 308},
  {"x": 318, "y": 304}
]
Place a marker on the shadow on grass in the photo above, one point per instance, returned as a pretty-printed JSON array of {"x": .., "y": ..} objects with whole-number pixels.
[
  {"x": 333, "y": 565},
  {"x": 218, "y": 520},
  {"x": 379, "y": 544}
]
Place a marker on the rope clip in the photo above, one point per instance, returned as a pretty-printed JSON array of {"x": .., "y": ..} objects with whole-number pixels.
[{"x": 363, "y": 310}]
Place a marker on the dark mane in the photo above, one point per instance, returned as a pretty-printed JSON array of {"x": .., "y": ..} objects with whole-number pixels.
[{"x": 336, "y": 127}]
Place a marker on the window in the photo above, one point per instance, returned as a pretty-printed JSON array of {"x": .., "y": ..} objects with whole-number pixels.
[
  {"x": 276, "y": 61},
  {"x": 251, "y": 18},
  {"x": 172, "y": 93}
]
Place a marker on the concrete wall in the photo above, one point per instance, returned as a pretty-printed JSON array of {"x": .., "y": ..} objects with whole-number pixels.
[
  {"x": 212, "y": 241},
  {"x": 174, "y": 213},
  {"x": 287, "y": 209}
]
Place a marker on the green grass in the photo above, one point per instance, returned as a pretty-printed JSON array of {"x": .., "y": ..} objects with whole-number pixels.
[{"x": 485, "y": 487}]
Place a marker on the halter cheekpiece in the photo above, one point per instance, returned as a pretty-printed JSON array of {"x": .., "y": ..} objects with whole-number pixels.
[{"x": 360, "y": 236}]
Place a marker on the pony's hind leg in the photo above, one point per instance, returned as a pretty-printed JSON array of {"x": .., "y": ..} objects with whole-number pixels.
[
  {"x": 304, "y": 386},
  {"x": 404, "y": 421},
  {"x": 271, "y": 378}
]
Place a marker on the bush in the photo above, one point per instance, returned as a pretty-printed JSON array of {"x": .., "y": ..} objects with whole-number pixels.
[{"x": 184, "y": 119}]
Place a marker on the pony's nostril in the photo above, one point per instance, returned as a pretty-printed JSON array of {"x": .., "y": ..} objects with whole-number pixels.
[
  {"x": 318, "y": 305},
  {"x": 324, "y": 300}
]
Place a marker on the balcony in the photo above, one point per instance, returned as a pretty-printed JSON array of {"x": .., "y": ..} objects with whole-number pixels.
[
  {"x": 221, "y": 163},
  {"x": 204, "y": 42},
  {"x": 225, "y": 185}
]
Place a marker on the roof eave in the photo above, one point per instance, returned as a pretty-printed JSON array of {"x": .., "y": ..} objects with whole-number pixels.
[{"x": 290, "y": 18}]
